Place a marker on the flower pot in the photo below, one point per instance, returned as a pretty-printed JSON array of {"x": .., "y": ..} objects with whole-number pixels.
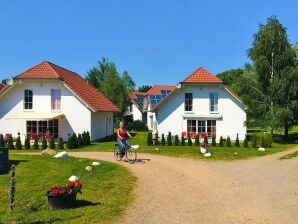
[{"x": 62, "y": 202}]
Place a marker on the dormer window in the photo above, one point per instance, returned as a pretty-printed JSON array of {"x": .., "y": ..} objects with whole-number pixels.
[{"x": 28, "y": 99}]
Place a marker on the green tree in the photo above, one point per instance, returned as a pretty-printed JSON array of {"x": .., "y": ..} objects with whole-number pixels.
[
  {"x": 163, "y": 140},
  {"x": 221, "y": 142},
  {"x": 176, "y": 141},
  {"x": 149, "y": 138},
  {"x": 229, "y": 144},
  {"x": 128, "y": 81},
  {"x": 27, "y": 143},
  {"x": 189, "y": 142},
  {"x": 80, "y": 140},
  {"x": 237, "y": 143},
  {"x": 19, "y": 143},
  {"x": 245, "y": 142},
  {"x": 206, "y": 139},
  {"x": 254, "y": 140},
  {"x": 169, "y": 139},
  {"x": 144, "y": 89}
]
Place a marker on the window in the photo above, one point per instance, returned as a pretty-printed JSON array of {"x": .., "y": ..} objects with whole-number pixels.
[
  {"x": 54, "y": 128},
  {"x": 56, "y": 99},
  {"x": 202, "y": 126},
  {"x": 188, "y": 102},
  {"x": 31, "y": 127},
  {"x": 130, "y": 108},
  {"x": 213, "y": 101},
  {"x": 28, "y": 99},
  {"x": 40, "y": 128}
]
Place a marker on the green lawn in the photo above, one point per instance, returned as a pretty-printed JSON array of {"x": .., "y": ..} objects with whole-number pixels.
[{"x": 107, "y": 191}]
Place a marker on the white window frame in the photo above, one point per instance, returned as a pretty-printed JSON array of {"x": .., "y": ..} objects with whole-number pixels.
[
  {"x": 188, "y": 103},
  {"x": 215, "y": 106},
  {"x": 27, "y": 102},
  {"x": 52, "y": 91}
]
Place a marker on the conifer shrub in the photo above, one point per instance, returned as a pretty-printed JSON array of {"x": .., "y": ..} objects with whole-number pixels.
[
  {"x": 213, "y": 142},
  {"x": 221, "y": 142},
  {"x": 245, "y": 142},
  {"x": 19, "y": 143},
  {"x": 44, "y": 144},
  {"x": 268, "y": 140},
  {"x": 254, "y": 141},
  {"x": 237, "y": 143},
  {"x": 229, "y": 144},
  {"x": 206, "y": 139},
  {"x": 163, "y": 140},
  {"x": 189, "y": 142},
  {"x": 169, "y": 139},
  {"x": 80, "y": 140},
  {"x": 156, "y": 139},
  {"x": 27, "y": 143},
  {"x": 10, "y": 144},
  {"x": 263, "y": 141},
  {"x": 2, "y": 143},
  {"x": 60, "y": 143},
  {"x": 197, "y": 140},
  {"x": 183, "y": 141},
  {"x": 52, "y": 143},
  {"x": 36, "y": 146},
  {"x": 149, "y": 138}
]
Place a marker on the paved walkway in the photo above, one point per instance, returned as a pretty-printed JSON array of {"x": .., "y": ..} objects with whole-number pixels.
[{"x": 180, "y": 190}]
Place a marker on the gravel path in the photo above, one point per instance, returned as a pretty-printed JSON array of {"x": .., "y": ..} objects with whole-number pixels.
[{"x": 180, "y": 190}]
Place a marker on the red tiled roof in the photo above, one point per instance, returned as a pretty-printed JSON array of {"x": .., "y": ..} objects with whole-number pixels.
[
  {"x": 157, "y": 88},
  {"x": 2, "y": 88},
  {"x": 132, "y": 95},
  {"x": 232, "y": 91},
  {"x": 201, "y": 75},
  {"x": 91, "y": 96}
]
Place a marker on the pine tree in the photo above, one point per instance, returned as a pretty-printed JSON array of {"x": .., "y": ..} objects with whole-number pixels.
[
  {"x": 197, "y": 140},
  {"x": 27, "y": 143},
  {"x": 229, "y": 144},
  {"x": 169, "y": 139},
  {"x": 19, "y": 143},
  {"x": 2, "y": 144},
  {"x": 156, "y": 139},
  {"x": 182, "y": 141},
  {"x": 44, "y": 144},
  {"x": 36, "y": 146},
  {"x": 84, "y": 138},
  {"x": 60, "y": 144},
  {"x": 245, "y": 142},
  {"x": 213, "y": 143},
  {"x": 237, "y": 143},
  {"x": 88, "y": 138},
  {"x": 221, "y": 142},
  {"x": 163, "y": 140},
  {"x": 149, "y": 138},
  {"x": 176, "y": 142},
  {"x": 75, "y": 140},
  {"x": 10, "y": 144},
  {"x": 206, "y": 139},
  {"x": 80, "y": 140},
  {"x": 189, "y": 142},
  {"x": 52, "y": 143}
]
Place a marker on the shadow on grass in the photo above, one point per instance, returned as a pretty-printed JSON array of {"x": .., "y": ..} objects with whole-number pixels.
[
  {"x": 85, "y": 203},
  {"x": 16, "y": 162}
]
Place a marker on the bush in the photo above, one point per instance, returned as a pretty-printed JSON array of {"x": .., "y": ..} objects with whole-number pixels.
[
  {"x": 262, "y": 141},
  {"x": 254, "y": 141},
  {"x": 36, "y": 146},
  {"x": 221, "y": 142},
  {"x": 10, "y": 144},
  {"x": 245, "y": 142},
  {"x": 44, "y": 144},
  {"x": 156, "y": 142},
  {"x": 60, "y": 143},
  {"x": 88, "y": 138},
  {"x": 237, "y": 143},
  {"x": 52, "y": 143},
  {"x": 182, "y": 141},
  {"x": 189, "y": 142},
  {"x": 72, "y": 141},
  {"x": 19, "y": 143},
  {"x": 206, "y": 139},
  {"x": 2, "y": 143},
  {"x": 163, "y": 140},
  {"x": 169, "y": 139},
  {"x": 176, "y": 141},
  {"x": 149, "y": 139},
  {"x": 80, "y": 140},
  {"x": 268, "y": 140},
  {"x": 137, "y": 126},
  {"x": 213, "y": 143},
  {"x": 229, "y": 144},
  {"x": 27, "y": 143},
  {"x": 197, "y": 140}
]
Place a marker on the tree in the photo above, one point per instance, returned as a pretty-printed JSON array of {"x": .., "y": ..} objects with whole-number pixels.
[
  {"x": 10, "y": 144},
  {"x": 144, "y": 88},
  {"x": 80, "y": 140},
  {"x": 149, "y": 138},
  {"x": 221, "y": 142},
  {"x": 277, "y": 75},
  {"x": 19, "y": 143},
  {"x": 169, "y": 139},
  {"x": 229, "y": 144},
  {"x": 237, "y": 143},
  {"x": 176, "y": 141},
  {"x": 128, "y": 82},
  {"x": 163, "y": 140},
  {"x": 27, "y": 143},
  {"x": 206, "y": 139},
  {"x": 189, "y": 142},
  {"x": 245, "y": 142},
  {"x": 93, "y": 77},
  {"x": 213, "y": 142},
  {"x": 230, "y": 77}
]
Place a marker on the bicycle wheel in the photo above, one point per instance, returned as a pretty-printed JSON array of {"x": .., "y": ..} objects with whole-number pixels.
[
  {"x": 117, "y": 152},
  {"x": 131, "y": 155}
]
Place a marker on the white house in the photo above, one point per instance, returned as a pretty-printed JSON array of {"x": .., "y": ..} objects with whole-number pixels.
[
  {"x": 50, "y": 98},
  {"x": 200, "y": 103}
]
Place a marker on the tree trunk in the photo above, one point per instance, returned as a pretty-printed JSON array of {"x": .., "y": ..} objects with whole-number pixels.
[{"x": 286, "y": 132}]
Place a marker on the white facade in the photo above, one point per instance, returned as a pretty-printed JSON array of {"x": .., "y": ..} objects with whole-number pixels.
[
  {"x": 75, "y": 115},
  {"x": 135, "y": 113},
  {"x": 229, "y": 118}
]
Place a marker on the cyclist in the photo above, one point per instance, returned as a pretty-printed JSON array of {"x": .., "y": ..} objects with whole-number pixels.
[{"x": 122, "y": 141}]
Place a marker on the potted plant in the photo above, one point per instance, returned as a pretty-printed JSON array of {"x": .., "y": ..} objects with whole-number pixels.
[{"x": 64, "y": 197}]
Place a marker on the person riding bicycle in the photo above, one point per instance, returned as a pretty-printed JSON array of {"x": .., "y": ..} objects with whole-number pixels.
[{"x": 121, "y": 138}]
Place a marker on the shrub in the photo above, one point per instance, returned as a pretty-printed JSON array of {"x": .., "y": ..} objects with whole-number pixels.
[
  {"x": 149, "y": 139},
  {"x": 268, "y": 140},
  {"x": 182, "y": 141},
  {"x": 84, "y": 138},
  {"x": 189, "y": 142},
  {"x": 213, "y": 143},
  {"x": 88, "y": 138},
  {"x": 10, "y": 144},
  {"x": 137, "y": 126},
  {"x": 206, "y": 139},
  {"x": 19, "y": 143},
  {"x": 60, "y": 143},
  {"x": 72, "y": 141},
  {"x": 2, "y": 144},
  {"x": 197, "y": 140},
  {"x": 156, "y": 139},
  {"x": 237, "y": 143},
  {"x": 52, "y": 143},
  {"x": 229, "y": 144},
  {"x": 176, "y": 141},
  {"x": 245, "y": 142},
  {"x": 27, "y": 143},
  {"x": 262, "y": 141},
  {"x": 254, "y": 141},
  {"x": 80, "y": 140},
  {"x": 169, "y": 139},
  {"x": 44, "y": 144},
  {"x": 221, "y": 142},
  {"x": 36, "y": 146},
  {"x": 163, "y": 140}
]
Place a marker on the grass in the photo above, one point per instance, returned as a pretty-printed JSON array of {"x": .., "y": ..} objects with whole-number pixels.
[
  {"x": 107, "y": 191},
  {"x": 290, "y": 156}
]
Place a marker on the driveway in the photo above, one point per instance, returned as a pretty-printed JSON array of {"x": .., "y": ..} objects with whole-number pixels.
[{"x": 181, "y": 190}]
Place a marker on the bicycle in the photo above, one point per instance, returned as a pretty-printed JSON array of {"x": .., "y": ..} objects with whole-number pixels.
[{"x": 130, "y": 153}]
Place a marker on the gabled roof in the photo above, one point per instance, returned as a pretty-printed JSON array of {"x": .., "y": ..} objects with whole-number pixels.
[
  {"x": 137, "y": 98},
  {"x": 79, "y": 86},
  {"x": 201, "y": 75},
  {"x": 157, "y": 88}
]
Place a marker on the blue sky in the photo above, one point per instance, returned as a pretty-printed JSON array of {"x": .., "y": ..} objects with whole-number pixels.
[{"x": 158, "y": 42}]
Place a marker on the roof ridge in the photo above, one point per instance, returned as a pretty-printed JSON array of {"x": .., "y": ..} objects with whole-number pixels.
[
  {"x": 201, "y": 75},
  {"x": 44, "y": 62},
  {"x": 199, "y": 68},
  {"x": 52, "y": 64}
]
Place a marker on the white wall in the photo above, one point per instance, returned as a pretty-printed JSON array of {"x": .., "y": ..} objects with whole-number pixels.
[
  {"x": 136, "y": 113},
  {"x": 101, "y": 125},
  {"x": 169, "y": 114},
  {"x": 77, "y": 118}
]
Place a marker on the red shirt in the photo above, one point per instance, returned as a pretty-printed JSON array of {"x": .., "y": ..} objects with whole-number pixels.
[{"x": 121, "y": 134}]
